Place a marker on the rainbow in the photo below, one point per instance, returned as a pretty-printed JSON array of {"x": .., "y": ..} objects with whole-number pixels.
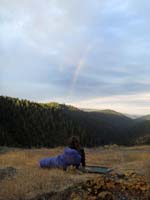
[{"x": 80, "y": 66}]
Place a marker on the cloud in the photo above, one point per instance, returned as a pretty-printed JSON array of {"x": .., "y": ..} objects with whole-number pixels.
[
  {"x": 74, "y": 50},
  {"x": 132, "y": 104}
]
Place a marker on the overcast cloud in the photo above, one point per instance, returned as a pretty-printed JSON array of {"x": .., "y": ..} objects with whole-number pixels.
[{"x": 92, "y": 54}]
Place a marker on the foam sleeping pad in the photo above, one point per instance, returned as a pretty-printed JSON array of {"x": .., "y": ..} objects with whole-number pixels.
[{"x": 96, "y": 169}]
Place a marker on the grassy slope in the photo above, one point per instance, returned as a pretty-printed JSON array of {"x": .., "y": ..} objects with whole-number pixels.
[{"x": 31, "y": 180}]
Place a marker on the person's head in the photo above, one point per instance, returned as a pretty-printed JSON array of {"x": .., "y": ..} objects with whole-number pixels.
[{"x": 74, "y": 142}]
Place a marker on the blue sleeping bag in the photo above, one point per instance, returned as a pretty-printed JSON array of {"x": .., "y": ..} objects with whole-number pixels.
[{"x": 69, "y": 157}]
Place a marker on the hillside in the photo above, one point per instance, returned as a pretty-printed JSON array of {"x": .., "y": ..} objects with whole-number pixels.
[
  {"x": 141, "y": 130},
  {"x": 26, "y": 124}
]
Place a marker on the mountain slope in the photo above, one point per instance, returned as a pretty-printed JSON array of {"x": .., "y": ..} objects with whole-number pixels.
[
  {"x": 25, "y": 124},
  {"x": 141, "y": 131}
]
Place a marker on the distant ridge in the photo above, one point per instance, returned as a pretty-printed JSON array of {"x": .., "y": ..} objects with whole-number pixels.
[
  {"x": 145, "y": 117},
  {"x": 132, "y": 116},
  {"x": 107, "y": 111},
  {"x": 111, "y": 112}
]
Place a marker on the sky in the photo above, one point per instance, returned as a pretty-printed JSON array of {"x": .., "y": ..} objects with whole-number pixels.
[{"x": 89, "y": 53}]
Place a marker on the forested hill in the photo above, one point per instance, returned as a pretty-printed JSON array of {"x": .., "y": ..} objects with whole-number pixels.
[{"x": 28, "y": 124}]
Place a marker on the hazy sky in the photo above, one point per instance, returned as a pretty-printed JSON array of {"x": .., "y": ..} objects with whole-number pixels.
[{"x": 89, "y": 53}]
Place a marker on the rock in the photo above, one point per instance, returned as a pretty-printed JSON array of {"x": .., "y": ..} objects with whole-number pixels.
[{"x": 7, "y": 172}]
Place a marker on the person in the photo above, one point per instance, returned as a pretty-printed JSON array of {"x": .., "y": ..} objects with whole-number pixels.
[
  {"x": 73, "y": 155},
  {"x": 74, "y": 143}
]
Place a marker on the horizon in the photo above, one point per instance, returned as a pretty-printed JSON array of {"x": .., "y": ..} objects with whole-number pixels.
[
  {"x": 81, "y": 108},
  {"x": 89, "y": 54}
]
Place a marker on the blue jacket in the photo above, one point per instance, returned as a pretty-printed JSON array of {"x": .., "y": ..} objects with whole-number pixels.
[{"x": 69, "y": 157}]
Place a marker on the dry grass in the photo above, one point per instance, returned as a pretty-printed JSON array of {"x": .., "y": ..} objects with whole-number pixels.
[
  {"x": 121, "y": 158},
  {"x": 31, "y": 180}
]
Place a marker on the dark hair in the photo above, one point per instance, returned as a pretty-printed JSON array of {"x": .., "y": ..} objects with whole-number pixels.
[{"x": 74, "y": 142}]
